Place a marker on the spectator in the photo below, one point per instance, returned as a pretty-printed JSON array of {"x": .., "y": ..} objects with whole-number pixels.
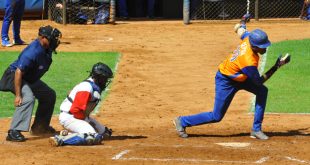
[
  {"x": 22, "y": 78},
  {"x": 14, "y": 11},
  {"x": 122, "y": 9},
  {"x": 150, "y": 8},
  {"x": 103, "y": 15}
]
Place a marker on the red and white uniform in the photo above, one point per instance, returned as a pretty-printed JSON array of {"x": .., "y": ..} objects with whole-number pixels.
[{"x": 73, "y": 116}]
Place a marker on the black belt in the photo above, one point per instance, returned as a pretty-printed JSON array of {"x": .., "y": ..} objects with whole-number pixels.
[{"x": 67, "y": 112}]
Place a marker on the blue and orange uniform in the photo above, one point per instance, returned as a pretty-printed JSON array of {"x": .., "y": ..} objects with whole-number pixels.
[{"x": 238, "y": 71}]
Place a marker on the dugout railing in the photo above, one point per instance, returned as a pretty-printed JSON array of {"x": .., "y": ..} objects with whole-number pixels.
[{"x": 234, "y": 9}]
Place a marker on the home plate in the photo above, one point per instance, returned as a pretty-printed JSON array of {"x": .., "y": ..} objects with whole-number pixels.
[{"x": 234, "y": 144}]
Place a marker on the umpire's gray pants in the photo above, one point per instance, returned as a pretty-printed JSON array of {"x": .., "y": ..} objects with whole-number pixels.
[
  {"x": 46, "y": 101},
  {"x": 39, "y": 90}
]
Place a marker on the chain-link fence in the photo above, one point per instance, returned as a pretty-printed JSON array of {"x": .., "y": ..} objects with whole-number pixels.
[
  {"x": 233, "y": 9},
  {"x": 80, "y": 11}
]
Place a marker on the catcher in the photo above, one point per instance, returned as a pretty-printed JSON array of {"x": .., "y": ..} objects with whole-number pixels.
[
  {"x": 80, "y": 128},
  {"x": 239, "y": 71}
]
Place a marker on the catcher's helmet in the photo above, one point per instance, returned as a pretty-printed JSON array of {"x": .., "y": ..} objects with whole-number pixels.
[
  {"x": 53, "y": 35},
  {"x": 101, "y": 70},
  {"x": 259, "y": 39}
]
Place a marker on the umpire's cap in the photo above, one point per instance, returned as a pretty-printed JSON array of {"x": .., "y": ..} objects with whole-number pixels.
[{"x": 259, "y": 39}]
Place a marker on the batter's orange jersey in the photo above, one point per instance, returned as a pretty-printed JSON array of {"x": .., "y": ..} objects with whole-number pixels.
[{"x": 241, "y": 58}]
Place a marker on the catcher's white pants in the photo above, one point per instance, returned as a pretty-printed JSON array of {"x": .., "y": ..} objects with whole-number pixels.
[{"x": 89, "y": 125}]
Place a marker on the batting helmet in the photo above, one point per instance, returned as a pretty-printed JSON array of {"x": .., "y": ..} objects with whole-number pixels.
[
  {"x": 259, "y": 39},
  {"x": 53, "y": 35},
  {"x": 102, "y": 70}
]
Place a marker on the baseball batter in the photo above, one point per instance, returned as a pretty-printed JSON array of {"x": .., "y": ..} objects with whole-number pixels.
[
  {"x": 239, "y": 71},
  {"x": 76, "y": 109}
]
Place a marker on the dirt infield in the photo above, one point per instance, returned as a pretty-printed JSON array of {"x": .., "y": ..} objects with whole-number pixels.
[{"x": 167, "y": 69}]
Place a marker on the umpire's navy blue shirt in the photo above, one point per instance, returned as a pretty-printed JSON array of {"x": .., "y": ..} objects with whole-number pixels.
[{"x": 33, "y": 61}]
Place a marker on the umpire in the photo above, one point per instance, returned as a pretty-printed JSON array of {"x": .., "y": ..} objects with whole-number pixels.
[{"x": 22, "y": 78}]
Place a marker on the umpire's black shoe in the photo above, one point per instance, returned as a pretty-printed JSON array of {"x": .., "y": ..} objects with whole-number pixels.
[
  {"x": 15, "y": 136},
  {"x": 107, "y": 132},
  {"x": 38, "y": 130}
]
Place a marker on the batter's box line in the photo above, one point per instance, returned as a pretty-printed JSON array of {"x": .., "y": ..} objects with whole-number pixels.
[
  {"x": 120, "y": 155},
  {"x": 297, "y": 160}
]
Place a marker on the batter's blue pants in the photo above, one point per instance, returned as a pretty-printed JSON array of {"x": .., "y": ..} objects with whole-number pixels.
[
  {"x": 14, "y": 11},
  {"x": 225, "y": 90}
]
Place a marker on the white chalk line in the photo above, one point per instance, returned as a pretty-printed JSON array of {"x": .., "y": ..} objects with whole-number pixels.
[
  {"x": 297, "y": 160},
  {"x": 260, "y": 161},
  {"x": 97, "y": 108},
  {"x": 234, "y": 144},
  {"x": 119, "y": 156}
]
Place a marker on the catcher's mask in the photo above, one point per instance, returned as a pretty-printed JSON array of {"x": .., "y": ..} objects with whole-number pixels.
[
  {"x": 53, "y": 35},
  {"x": 101, "y": 73},
  {"x": 259, "y": 39}
]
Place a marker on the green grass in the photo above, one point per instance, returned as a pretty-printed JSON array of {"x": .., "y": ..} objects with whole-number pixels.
[
  {"x": 67, "y": 70},
  {"x": 289, "y": 88}
]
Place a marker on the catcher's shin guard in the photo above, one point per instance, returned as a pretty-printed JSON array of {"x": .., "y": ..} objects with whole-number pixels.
[
  {"x": 98, "y": 138},
  {"x": 74, "y": 139},
  {"x": 80, "y": 139}
]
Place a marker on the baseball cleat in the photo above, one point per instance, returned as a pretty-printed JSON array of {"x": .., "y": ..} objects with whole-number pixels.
[
  {"x": 37, "y": 130},
  {"x": 55, "y": 141},
  {"x": 181, "y": 130},
  {"x": 15, "y": 136},
  {"x": 18, "y": 42},
  {"x": 107, "y": 132},
  {"x": 259, "y": 135},
  {"x": 6, "y": 43}
]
